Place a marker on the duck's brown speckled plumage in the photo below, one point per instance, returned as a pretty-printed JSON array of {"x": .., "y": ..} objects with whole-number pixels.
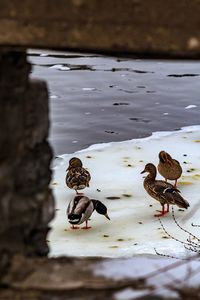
[
  {"x": 162, "y": 191},
  {"x": 77, "y": 177},
  {"x": 168, "y": 167}
]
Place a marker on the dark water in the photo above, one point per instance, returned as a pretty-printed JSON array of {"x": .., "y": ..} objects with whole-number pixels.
[{"x": 98, "y": 99}]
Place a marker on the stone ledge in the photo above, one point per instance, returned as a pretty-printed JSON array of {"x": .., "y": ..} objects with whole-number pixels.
[
  {"x": 61, "y": 275},
  {"x": 153, "y": 27}
]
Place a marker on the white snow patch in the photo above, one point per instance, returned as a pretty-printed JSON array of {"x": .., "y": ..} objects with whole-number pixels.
[
  {"x": 130, "y": 294},
  {"x": 190, "y": 106},
  {"x": 88, "y": 89},
  {"x": 44, "y": 54},
  {"x": 60, "y": 67},
  {"x": 53, "y": 96},
  {"x": 158, "y": 272}
]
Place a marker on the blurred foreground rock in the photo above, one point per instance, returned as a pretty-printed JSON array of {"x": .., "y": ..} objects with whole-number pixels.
[
  {"x": 62, "y": 278},
  {"x": 88, "y": 279},
  {"x": 26, "y": 203}
]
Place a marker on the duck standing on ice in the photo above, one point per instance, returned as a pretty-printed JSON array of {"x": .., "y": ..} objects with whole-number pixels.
[
  {"x": 81, "y": 208},
  {"x": 162, "y": 191},
  {"x": 168, "y": 167},
  {"x": 77, "y": 177}
]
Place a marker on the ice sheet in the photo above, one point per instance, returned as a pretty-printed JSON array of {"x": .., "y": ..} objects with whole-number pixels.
[{"x": 115, "y": 170}]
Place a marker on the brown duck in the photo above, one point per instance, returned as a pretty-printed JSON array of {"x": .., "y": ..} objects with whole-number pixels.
[
  {"x": 162, "y": 191},
  {"x": 77, "y": 177},
  {"x": 168, "y": 167}
]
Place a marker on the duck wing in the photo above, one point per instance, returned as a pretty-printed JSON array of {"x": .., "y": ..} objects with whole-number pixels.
[
  {"x": 85, "y": 176},
  {"x": 176, "y": 161},
  {"x": 85, "y": 208},
  {"x": 71, "y": 178},
  {"x": 77, "y": 176},
  {"x": 80, "y": 206},
  {"x": 168, "y": 194}
]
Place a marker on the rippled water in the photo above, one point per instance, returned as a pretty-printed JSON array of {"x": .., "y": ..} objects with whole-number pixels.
[{"x": 96, "y": 99}]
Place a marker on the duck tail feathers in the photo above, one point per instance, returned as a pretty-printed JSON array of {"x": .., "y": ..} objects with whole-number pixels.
[{"x": 181, "y": 202}]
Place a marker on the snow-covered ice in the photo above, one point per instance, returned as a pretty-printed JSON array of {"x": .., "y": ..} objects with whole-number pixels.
[
  {"x": 115, "y": 170},
  {"x": 190, "y": 106},
  {"x": 60, "y": 67}
]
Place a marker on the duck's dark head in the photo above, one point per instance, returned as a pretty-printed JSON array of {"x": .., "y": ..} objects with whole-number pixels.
[
  {"x": 164, "y": 157},
  {"x": 74, "y": 218},
  {"x": 100, "y": 208},
  {"x": 74, "y": 162},
  {"x": 149, "y": 168}
]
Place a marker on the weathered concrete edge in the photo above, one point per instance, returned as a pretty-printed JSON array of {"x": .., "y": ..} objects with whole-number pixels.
[
  {"x": 61, "y": 274},
  {"x": 149, "y": 28}
]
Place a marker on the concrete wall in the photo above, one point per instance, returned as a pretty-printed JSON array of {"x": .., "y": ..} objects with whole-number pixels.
[
  {"x": 26, "y": 203},
  {"x": 153, "y": 27}
]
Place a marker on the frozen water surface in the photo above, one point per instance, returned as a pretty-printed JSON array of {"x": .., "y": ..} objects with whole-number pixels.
[{"x": 116, "y": 181}]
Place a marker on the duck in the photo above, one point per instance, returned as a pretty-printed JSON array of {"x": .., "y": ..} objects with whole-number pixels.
[
  {"x": 77, "y": 177},
  {"x": 81, "y": 208},
  {"x": 168, "y": 167},
  {"x": 162, "y": 191}
]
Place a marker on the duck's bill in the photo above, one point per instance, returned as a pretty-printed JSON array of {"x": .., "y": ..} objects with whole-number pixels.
[
  {"x": 106, "y": 215},
  {"x": 142, "y": 172}
]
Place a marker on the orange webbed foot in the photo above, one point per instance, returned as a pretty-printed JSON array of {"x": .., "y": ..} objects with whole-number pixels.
[
  {"x": 161, "y": 214},
  {"x": 86, "y": 227}
]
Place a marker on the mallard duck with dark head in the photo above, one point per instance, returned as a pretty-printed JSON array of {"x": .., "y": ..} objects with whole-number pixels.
[
  {"x": 77, "y": 177},
  {"x": 162, "y": 191},
  {"x": 81, "y": 208},
  {"x": 168, "y": 167}
]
